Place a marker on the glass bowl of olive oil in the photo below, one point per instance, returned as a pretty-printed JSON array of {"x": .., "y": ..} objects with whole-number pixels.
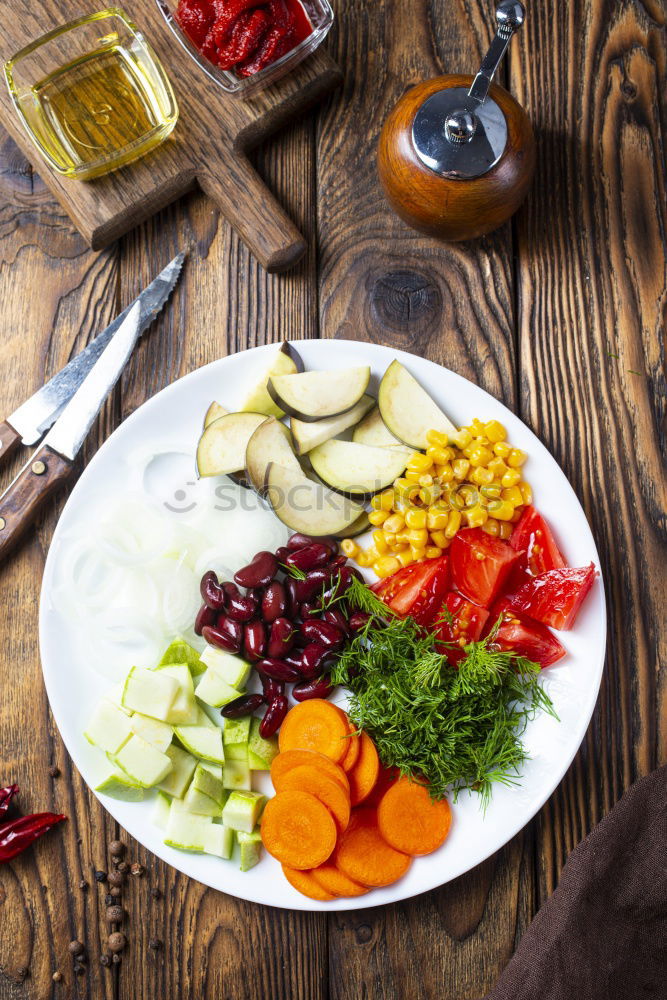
[{"x": 92, "y": 95}]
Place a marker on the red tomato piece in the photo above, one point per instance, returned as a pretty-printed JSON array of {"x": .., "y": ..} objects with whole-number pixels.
[
  {"x": 555, "y": 597},
  {"x": 533, "y": 536},
  {"x": 480, "y": 564},
  {"x": 523, "y": 636},
  {"x": 465, "y": 624},
  {"x": 417, "y": 590}
]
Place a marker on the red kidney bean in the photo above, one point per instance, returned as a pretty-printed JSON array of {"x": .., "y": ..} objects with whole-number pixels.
[
  {"x": 281, "y": 638},
  {"x": 274, "y": 602},
  {"x": 212, "y": 594},
  {"x": 258, "y": 573},
  {"x": 310, "y": 557},
  {"x": 358, "y": 621},
  {"x": 299, "y": 541},
  {"x": 278, "y": 670},
  {"x": 273, "y": 717},
  {"x": 254, "y": 641},
  {"x": 204, "y": 617},
  {"x": 293, "y": 659},
  {"x": 323, "y": 632},
  {"x": 226, "y": 623},
  {"x": 282, "y": 553},
  {"x": 240, "y": 607},
  {"x": 272, "y": 689},
  {"x": 315, "y": 581},
  {"x": 309, "y": 609},
  {"x": 223, "y": 640},
  {"x": 336, "y": 617},
  {"x": 292, "y": 609},
  {"x": 314, "y": 660},
  {"x": 245, "y": 705},
  {"x": 320, "y": 687}
]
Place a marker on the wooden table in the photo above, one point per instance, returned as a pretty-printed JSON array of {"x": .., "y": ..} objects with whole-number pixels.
[{"x": 560, "y": 314}]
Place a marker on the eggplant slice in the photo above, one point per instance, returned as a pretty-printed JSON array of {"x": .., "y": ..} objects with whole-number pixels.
[
  {"x": 214, "y": 412},
  {"x": 222, "y": 446},
  {"x": 286, "y": 361},
  {"x": 307, "y": 507},
  {"x": 309, "y": 436},
  {"x": 269, "y": 443},
  {"x": 358, "y": 470},
  {"x": 407, "y": 410},
  {"x": 311, "y": 396},
  {"x": 373, "y": 430}
]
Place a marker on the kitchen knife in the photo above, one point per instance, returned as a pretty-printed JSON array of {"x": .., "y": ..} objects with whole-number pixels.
[{"x": 53, "y": 463}]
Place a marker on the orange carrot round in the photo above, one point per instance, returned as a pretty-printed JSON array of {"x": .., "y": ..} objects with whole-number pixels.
[
  {"x": 364, "y": 774},
  {"x": 409, "y": 819},
  {"x": 387, "y": 778},
  {"x": 284, "y": 762},
  {"x": 315, "y": 725},
  {"x": 333, "y": 880},
  {"x": 310, "y": 779},
  {"x": 353, "y": 747},
  {"x": 365, "y": 857},
  {"x": 298, "y": 830},
  {"x": 307, "y": 885}
]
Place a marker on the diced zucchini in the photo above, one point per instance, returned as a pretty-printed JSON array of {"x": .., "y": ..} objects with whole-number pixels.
[
  {"x": 109, "y": 727},
  {"x": 243, "y": 809},
  {"x": 208, "y": 780},
  {"x": 187, "y": 831},
  {"x": 260, "y": 751},
  {"x": 183, "y": 767},
  {"x": 180, "y": 651},
  {"x": 236, "y": 774},
  {"x": 142, "y": 762},
  {"x": 151, "y": 692},
  {"x": 196, "y": 802},
  {"x": 183, "y": 711},
  {"x": 214, "y": 691},
  {"x": 202, "y": 741},
  {"x": 250, "y": 845},
  {"x": 158, "y": 734},
  {"x": 120, "y": 786},
  {"x": 230, "y": 668},
  {"x": 219, "y": 840},
  {"x": 235, "y": 737},
  {"x": 115, "y": 695},
  {"x": 161, "y": 810}
]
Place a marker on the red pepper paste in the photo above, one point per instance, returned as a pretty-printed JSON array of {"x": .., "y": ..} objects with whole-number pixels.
[{"x": 244, "y": 35}]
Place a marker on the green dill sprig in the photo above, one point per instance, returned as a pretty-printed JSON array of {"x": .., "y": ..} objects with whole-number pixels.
[{"x": 294, "y": 571}]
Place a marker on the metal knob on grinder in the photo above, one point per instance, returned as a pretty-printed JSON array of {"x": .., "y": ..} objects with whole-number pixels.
[{"x": 457, "y": 153}]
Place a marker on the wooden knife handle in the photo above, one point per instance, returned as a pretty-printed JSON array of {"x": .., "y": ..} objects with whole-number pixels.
[
  {"x": 9, "y": 440},
  {"x": 22, "y": 501}
]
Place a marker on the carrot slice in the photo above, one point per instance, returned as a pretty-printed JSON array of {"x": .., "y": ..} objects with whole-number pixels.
[
  {"x": 336, "y": 882},
  {"x": 409, "y": 819},
  {"x": 364, "y": 774},
  {"x": 315, "y": 725},
  {"x": 365, "y": 857},
  {"x": 387, "y": 778},
  {"x": 298, "y": 830},
  {"x": 353, "y": 747},
  {"x": 323, "y": 787},
  {"x": 284, "y": 762},
  {"x": 307, "y": 885}
]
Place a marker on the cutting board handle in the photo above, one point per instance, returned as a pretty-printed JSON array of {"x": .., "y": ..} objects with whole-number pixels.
[{"x": 248, "y": 205}]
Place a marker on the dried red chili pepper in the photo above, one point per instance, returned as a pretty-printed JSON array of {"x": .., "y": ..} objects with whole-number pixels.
[
  {"x": 6, "y": 796},
  {"x": 17, "y": 834}
]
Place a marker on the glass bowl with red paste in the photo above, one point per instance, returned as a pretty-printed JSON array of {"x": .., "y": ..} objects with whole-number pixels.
[{"x": 246, "y": 45}]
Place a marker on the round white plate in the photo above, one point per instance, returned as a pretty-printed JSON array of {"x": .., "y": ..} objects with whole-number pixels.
[{"x": 171, "y": 421}]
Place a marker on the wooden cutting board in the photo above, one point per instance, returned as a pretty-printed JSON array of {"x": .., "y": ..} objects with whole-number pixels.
[{"x": 208, "y": 147}]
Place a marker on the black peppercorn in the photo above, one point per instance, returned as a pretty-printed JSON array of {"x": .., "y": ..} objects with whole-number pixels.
[
  {"x": 155, "y": 893},
  {"x": 100, "y": 876},
  {"x": 115, "y": 891},
  {"x": 105, "y": 960},
  {"x": 137, "y": 869},
  {"x": 123, "y": 867},
  {"x": 117, "y": 848},
  {"x": 117, "y": 941},
  {"x": 57, "y": 976},
  {"x": 116, "y": 959},
  {"x": 116, "y": 878},
  {"x": 75, "y": 948},
  {"x": 83, "y": 885},
  {"x": 54, "y": 771},
  {"x": 109, "y": 900},
  {"x": 114, "y": 914}
]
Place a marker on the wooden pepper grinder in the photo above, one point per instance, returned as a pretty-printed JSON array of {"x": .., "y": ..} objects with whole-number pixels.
[{"x": 457, "y": 154}]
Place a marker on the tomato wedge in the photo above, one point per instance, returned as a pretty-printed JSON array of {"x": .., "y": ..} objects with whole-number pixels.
[
  {"x": 465, "y": 624},
  {"x": 523, "y": 636},
  {"x": 555, "y": 597},
  {"x": 533, "y": 536},
  {"x": 480, "y": 564},
  {"x": 416, "y": 590}
]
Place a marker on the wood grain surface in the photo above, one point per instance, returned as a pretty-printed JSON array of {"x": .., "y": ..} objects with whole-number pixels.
[{"x": 560, "y": 314}]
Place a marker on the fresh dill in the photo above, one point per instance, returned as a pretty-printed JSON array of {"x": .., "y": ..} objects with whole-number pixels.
[
  {"x": 458, "y": 727},
  {"x": 294, "y": 571}
]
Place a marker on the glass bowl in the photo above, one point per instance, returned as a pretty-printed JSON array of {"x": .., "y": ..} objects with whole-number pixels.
[
  {"x": 321, "y": 16},
  {"x": 92, "y": 95}
]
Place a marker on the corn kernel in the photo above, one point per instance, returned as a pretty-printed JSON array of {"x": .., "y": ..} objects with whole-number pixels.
[
  {"x": 445, "y": 473},
  {"x": 466, "y": 496},
  {"x": 386, "y": 565},
  {"x": 363, "y": 560},
  {"x": 380, "y": 541},
  {"x": 416, "y": 519},
  {"x": 505, "y": 530},
  {"x": 511, "y": 478},
  {"x": 477, "y": 427},
  {"x": 394, "y": 523},
  {"x": 503, "y": 510},
  {"x": 516, "y": 458},
  {"x": 349, "y": 548},
  {"x": 460, "y": 468},
  {"x": 438, "y": 455},
  {"x": 418, "y": 552},
  {"x": 413, "y": 476},
  {"x": 513, "y": 495},
  {"x": 492, "y": 527},
  {"x": 440, "y": 539},
  {"x": 378, "y": 517},
  {"x": 462, "y": 438},
  {"x": 418, "y": 537},
  {"x": 419, "y": 462},
  {"x": 372, "y": 555},
  {"x": 389, "y": 538},
  {"x": 516, "y": 516},
  {"x": 526, "y": 493},
  {"x": 497, "y": 467},
  {"x": 480, "y": 456},
  {"x": 481, "y": 476},
  {"x": 428, "y": 494},
  {"x": 476, "y": 516},
  {"x": 437, "y": 518},
  {"x": 432, "y": 551},
  {"x": 404, "y": 556},
  {"x": 490, "y": 493},
  {"x": 453, "y": 523},
  {"x": 437, "y": 438},
  {"x": 426, "y": 480},
  {"x": 383, "y": 501},
  {"x": 501, "y": 449},
  {"x": 402, "y": 538},
  {"x": 495, "y": 431}
]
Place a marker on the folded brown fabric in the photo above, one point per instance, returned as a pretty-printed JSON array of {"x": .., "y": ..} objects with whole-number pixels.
[{"x": 603, "y": 933}]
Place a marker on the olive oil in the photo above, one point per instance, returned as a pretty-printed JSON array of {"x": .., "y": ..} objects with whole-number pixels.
[{"x": 101, "y": 110}]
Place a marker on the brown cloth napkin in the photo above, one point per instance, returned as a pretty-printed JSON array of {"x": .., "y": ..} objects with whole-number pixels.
[{"x": 603, "y": 933}]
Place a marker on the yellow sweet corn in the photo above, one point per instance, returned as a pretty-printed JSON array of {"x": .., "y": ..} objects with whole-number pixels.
[
  {"x": 386, "y": 565},
  {"x": 416, "y": 518},
  {"x": 380, "y": 541},
  {"x": 432, "y": 551},
  {"x": 350, "y": 548},
  {"x": 378, "y": 517}
]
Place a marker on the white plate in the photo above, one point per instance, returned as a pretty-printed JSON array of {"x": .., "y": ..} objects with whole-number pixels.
[{"x": 172, "y": 420}]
